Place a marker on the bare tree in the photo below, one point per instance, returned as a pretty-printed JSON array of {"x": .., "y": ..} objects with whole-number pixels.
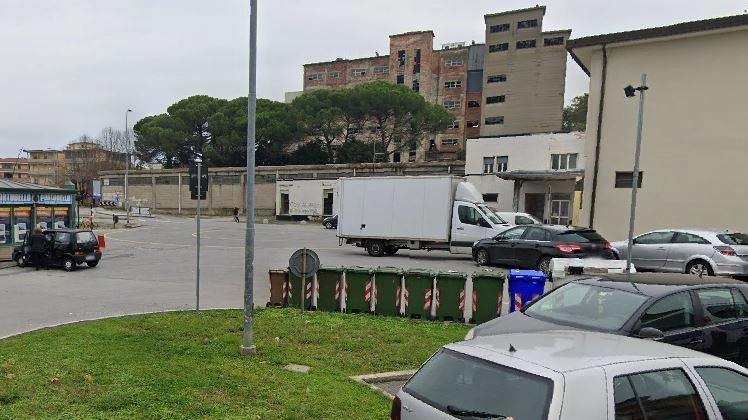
[{"x": 112, "y": 140}]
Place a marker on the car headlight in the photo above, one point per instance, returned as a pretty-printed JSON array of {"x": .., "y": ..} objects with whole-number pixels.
[{"x": 470, "y": 334}]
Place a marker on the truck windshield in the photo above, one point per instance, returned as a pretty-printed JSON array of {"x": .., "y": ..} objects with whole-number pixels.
[
  {"x": 451, "y": 380},
  {"x": 490, "y": 215}
]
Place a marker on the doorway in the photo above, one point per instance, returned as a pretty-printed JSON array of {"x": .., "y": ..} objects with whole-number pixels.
[
  {"x": 560, "y": 209},
  {"x": 535, "y": 205},
  {"x": 285, "y": 203},
  {"x": 327, "y": 202}
]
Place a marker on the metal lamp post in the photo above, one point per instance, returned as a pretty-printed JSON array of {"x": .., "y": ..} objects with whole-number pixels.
[
  {"x": 630, "y": 91},
  {"x": 127, "y": 167}
]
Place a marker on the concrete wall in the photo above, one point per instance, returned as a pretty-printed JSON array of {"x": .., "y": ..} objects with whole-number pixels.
[
  {"x": 532, "y": 152},
  {"x": 160, "y": 189},
  {"x": 694, "y": 144}
]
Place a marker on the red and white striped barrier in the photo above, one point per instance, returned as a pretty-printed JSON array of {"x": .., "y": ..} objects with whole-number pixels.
[
  {"x": 461, "y": 307},
  {"x": 517, "y": 301},
  {"x": 309, "y": 292},
  {"x": 427, "y": 300},
  {"x": 475, "y": 300},
  {"x": 436, "y": 299},
  {"x": 367, "y": 291},
  {"x": 501, "y": 303},
  {"x": 406, "y": 297},
  {"x": 337, "y": 289}
]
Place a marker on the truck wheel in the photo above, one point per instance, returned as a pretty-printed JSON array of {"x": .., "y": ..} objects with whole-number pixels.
[
  {"x": 391, "y": 250},
  {"x": 375, "y": 248}
]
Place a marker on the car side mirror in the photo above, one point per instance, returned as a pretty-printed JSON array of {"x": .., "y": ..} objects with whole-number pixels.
[
  {"x": 650, "y": 333},
  {"x": 499, "y": 238}
]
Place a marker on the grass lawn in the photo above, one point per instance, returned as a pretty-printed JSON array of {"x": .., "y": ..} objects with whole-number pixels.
[{"x": 186, "y": 365}]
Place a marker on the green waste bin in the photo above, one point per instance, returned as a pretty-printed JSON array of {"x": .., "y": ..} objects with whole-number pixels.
[
  {"x": 327, "y": 289},
  {"x": 418, "y": 288},
  {"x": 449, "y": 296},
  {"x": 387, "y": 291},
  {"x": 358, "y": 289},
  {"x": 488, "y": 292},
  {"x": 294, "y": 294}
]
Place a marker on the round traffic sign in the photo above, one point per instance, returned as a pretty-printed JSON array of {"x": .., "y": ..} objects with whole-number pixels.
[{"x": 303, "y": 262}]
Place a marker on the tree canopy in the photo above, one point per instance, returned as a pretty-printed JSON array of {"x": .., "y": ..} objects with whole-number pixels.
[{"x": 575, "y": 115}]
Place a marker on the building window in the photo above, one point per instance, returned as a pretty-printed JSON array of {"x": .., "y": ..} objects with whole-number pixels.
[
  {"x": 411, "y": 156},
  {"x": 558, "y": 40},
  {"x": 452, "y": 104},
  {"x": 358, "y": 72},
  {"x": 498, "y": 47},
  {"x": 381, "y": 70},
  {"x": 315, "y": 76},
  {"x": 564, "y": 161},
  {"x": 504, "y": 27},
  {"x": 454, "y": 124},
  {"x": 472, "y": 123},
  {"x": 473, "y": 104},
  {"x": 416, "y": 85},
  {"x": 488, "y": 165},
  {"x": 502, "y": 163},
  {"x": 401, "y": 58},
  {"x": 496, "y": 78},
  {"x": 336, "y": 74},
  {"x": 494, "y": 120},
  {"x": 529, "y": 43},
  {"x": 400, "y": 79},
  {"x": 495, "y": 99},
  {"x": 626, "y": 179},
  {"x": 452, "y": 84},
  {"x": 453, "y": 62},
  {"x": 523, "y": 24},
  {"x": 417, "y": 61},
  {"x": 491, "y": 198},
  {"x": 450, "y": 142}
]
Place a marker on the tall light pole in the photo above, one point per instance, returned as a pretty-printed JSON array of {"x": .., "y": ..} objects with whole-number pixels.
[
  {"x": 248, "y": 346},
  {"x": 630, "y": 91},
  {"x": 127, "y": 167}
]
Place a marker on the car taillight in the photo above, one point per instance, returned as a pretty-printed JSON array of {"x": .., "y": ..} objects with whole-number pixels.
[
  {"x": 568, "y": 248},
  {"x": 607, "y": 245},
  {"x": 396, "y": 408},
  {"x": 726, "y": 250},
  {"x": 79, "y": 253}
]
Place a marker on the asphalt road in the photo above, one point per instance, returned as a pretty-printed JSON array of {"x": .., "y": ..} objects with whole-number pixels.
[{"x": 152, "y": 268}]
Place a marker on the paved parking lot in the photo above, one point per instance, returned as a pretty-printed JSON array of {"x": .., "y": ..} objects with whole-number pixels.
[{"x": 152, "y": 268}]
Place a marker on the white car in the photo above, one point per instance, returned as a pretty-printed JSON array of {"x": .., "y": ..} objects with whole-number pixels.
[
  {"x": 518, "y": 218},
  {"x": 572, "y": 375}
]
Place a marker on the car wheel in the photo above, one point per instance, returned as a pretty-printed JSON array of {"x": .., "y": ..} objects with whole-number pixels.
[
  {"x": 328, "y": 225},
  {"x": 699, "y": 268},
  {"x": 544, "y": 265},
  {"x": 390, "y": 250},
  {"x": 481, "y": 257},
  {"x": 21, "y": 260},
  {"x": 375, "y": 248},
  {"x": 92, "y": 263},
  {"x": 68, "y": 264}
]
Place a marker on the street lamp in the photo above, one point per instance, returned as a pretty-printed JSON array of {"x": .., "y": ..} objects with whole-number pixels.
[
  {"x": 630, "y": 92},
  {"x": 127, "y": 167}
]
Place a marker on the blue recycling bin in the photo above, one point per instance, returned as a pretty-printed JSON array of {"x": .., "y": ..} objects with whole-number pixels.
[{"x": 524, "y": 286}]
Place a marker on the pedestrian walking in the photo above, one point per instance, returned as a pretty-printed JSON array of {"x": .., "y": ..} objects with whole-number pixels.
[
  {"x": 38, "y": 249},
  {"x": 236, "y": 214}
]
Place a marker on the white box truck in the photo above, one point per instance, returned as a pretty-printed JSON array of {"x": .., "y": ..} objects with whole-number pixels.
[{"x": 385, "y": 214}]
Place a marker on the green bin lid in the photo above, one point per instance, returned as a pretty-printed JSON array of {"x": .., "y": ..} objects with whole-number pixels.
[
  {"x": 489, "y": 275},
  {"x": 356, "y": 269},
  {"x": 389, "y": 270},
  {"x": 419, "y": 272},
  {"x": 451, "y": 274},
  {"x": 330, "y": 268}
]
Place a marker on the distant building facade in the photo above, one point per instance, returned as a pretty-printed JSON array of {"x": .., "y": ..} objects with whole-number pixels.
[
  {"x": 513, "y": 84},
  {"x": 46, "y": 167},
  {"x": 14, "y": 169}
]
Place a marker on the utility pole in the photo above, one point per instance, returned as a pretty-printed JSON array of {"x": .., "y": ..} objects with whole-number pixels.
[
  {"x": 248, "y": 346},
  {"x": 197, "y": 267},
  {"x": 127, "y": 167},
  {"x": 630, "y": 91}
]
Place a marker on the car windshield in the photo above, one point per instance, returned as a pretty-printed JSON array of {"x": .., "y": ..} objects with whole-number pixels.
[
  {"x": 585, "y": 305},
  {"x": 734, "y": 238},
  {"x": 580, "y": 236},
  {"x": 501, "y": 219},
  {"x": 452, "y": 379},
  {"x": 490, "y": 215}
]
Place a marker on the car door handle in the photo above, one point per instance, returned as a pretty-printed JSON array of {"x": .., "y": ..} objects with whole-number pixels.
[
  {"x": 696, "y": 342},
  {"x": 460, "y": 228}
]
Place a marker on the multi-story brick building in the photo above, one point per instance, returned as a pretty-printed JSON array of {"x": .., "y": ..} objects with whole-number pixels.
[{"x": 512, "y": 84}]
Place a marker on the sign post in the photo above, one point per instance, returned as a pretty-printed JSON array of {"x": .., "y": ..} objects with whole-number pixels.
[
  {"x": 303, "y": 263},
  {"x": 198, "y": 189}
]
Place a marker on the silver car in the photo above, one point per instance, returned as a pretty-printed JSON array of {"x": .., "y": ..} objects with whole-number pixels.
[{"x": 694, "y": 251}]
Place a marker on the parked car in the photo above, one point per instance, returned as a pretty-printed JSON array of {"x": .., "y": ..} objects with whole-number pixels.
[
  {"x": 572, "y": 375},
  {"x": 514, "y": 218},
  {"x": 705, "y": 314},
  {"x": 707, "y": 252},
  {"x": 534, "y": 246},
  {"x": 69, "y": 249},
  {"x": 330, "y": 222}
]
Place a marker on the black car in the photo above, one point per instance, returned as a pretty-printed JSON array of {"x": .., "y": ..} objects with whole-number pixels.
[
  {"x": 330, "y": 222},
  {"x": 533, "y": 246},
  {"x": 709, "y": 314},
  {"x": 69, "y": 248}
]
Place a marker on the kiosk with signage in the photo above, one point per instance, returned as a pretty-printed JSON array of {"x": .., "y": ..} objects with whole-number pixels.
[
  {"x": 61, "y": 218},
  {"x": 22, "y": 223},
  {"x": 5, "y": 226},
  {"x": 44, "y": 217}
]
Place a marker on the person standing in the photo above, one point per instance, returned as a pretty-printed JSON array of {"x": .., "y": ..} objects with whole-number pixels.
[
  {"x": 38, "y": 249},
  {"x": 236, "y": 214}
]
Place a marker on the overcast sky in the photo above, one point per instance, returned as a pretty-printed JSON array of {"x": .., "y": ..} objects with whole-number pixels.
[{"x": 73, "y": 67}]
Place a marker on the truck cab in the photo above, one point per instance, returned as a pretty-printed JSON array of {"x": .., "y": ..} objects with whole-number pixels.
[{"x": 472, "y": 220}]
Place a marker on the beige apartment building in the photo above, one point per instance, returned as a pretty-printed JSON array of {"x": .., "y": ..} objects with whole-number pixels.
[
  {"x": 694, "y": 141},
  {"x": 14, "y": 169},
  {"x": 46, "y": 167},
  {"x": 512, "y": 84}
]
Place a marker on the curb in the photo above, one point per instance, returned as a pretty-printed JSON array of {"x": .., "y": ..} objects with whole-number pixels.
[{"x": 370, "y": 380}]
